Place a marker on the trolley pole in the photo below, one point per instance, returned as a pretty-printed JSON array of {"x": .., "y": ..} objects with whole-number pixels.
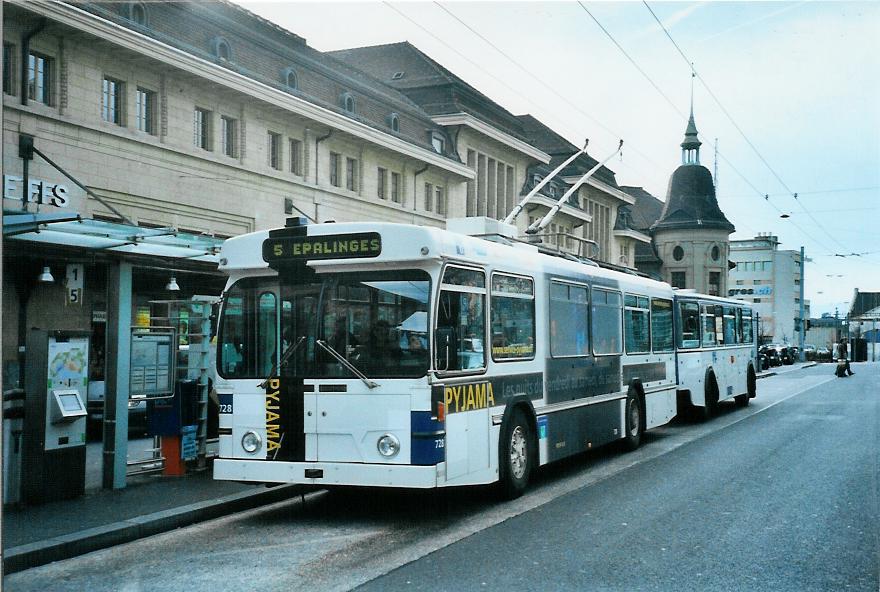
[{"x": 802, "y": 333}]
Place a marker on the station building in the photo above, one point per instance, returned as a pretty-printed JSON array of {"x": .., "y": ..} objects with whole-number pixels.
[{"x": 137, "y": 136}]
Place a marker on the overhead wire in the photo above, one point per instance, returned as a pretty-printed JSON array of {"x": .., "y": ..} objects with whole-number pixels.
[
  {"x": 514, "y": 90},
  {"x": 751, "y": 145},
  {"x": 684, "y": 117},
  {"x": 544, "y": 83}
]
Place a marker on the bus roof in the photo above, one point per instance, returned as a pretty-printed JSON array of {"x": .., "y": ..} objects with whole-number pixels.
[{"x": 407, "y": 244}]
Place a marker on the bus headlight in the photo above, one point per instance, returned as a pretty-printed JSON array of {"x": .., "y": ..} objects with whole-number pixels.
[
  {"x": 251, "y": 441},
  {"x": 388, "y": 445}
]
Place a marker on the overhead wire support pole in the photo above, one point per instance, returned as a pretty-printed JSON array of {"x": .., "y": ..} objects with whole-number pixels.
[
  {"x": 541, "y": 224},
  {"x": 511, "y": 217}
]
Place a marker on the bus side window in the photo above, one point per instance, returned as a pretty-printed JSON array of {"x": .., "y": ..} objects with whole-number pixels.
[
  {"x": 461, "y": 321},
  {"x": 708, "y": 315},
  {"x": 661, "y": 325},
  {"x": 689, "y": 328},
  {"x": 747, "y": 326},
  {"x": 606, "y": 320}
]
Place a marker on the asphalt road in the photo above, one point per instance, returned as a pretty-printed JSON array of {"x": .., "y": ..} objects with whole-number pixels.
[{"x": 782, "y": 495}]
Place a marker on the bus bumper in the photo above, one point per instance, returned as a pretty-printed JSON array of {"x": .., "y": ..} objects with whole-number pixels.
[{"x": 321, "y": 473}]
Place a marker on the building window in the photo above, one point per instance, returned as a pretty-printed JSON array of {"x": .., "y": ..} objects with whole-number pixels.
[
  {"x": 382, "y": 183},
  {"x": 273, "y": 150},
  {"x": 288, "y": 76},
  {"x": 395, "y": 187},
  {"x": 145, "y": 110},
  {"x": 351, "y": 170},
  {"x": 228, "y": 136},
  {"x": 438, "y": 142},
  {"x": 202, "y": 128},
  {"x": 334, "y": 169},
  {"x": 678, "y": 279},
  {"x": 429, "y": 197},
  {"x": 714, "y": 283},
  {"x": 137, "y": 13},
  {"x": 296, "y": 157},
  {"x": 394, "y": 122},
  {"x": 112, "y": 99},
  {"x": 39, "y": 78},
  {"x": 347, "y": 102},
  {"x": 8, "y": 69},
  {"x": 440, "y": 200},
  {"x": 678, "y": 253},
  {"x": 221, "y": 49},
  {"x": 716, "y": 253}
]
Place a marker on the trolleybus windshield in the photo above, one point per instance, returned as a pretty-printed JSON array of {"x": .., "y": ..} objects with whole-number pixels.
[{"x": 377, "y": 321}]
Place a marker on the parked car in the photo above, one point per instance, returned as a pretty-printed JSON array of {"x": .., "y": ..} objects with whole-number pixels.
[
  {"x": 772, "y": 355},
  {"x": 795, "y": 353},
  {"x": 809, "y": 352},
  {"x": 786, "y": 354},
  {"x": 823, "y": 354}
]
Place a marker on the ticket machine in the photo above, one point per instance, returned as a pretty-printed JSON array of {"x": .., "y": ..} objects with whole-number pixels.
[{"x": 54, "y": 441}]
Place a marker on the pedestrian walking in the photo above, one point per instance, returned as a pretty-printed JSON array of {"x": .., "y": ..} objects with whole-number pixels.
[{"x": 843, "y": 368}]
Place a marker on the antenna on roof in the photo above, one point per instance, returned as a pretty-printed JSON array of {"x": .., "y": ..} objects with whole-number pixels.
[
  {"x": 541, "y": 224},
  {"x": 519, "y": 207}
]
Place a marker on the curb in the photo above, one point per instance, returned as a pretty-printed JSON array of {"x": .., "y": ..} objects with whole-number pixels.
[
  {"x": 85, "y": 541},
  {"x": 761, "y": 375}
]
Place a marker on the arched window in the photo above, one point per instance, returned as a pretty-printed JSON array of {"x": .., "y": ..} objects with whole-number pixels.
[
  {"x": 394, "y": 122},
  {"x": 137, "y": 13},
  {"x": 346, "y": 101},
  {"x": 288, "y": 77},
  {"x": 222, "y": 50},
  {"x": 678, "y": 253},
  {"x": 716, "y": 253}
]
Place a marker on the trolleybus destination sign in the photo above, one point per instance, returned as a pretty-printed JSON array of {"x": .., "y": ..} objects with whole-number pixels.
[{"x": 333, "y": 246}]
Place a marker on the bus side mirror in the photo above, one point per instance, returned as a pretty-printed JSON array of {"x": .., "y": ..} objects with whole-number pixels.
[{"x": 444, "y": 337}]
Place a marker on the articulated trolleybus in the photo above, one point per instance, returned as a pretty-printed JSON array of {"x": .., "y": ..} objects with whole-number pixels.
[{"x": 381, "y": 354}]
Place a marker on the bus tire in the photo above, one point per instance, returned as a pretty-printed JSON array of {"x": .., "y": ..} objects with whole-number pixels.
[
  {"x": 516, "y": 455},
  {"x": 633, "y": 435},
  {"x": 751, "y": 386},
  {"x": 706, "y": 412}
]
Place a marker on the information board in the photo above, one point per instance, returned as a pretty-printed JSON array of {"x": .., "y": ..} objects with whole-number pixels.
[{"x": 152, "y": 364}]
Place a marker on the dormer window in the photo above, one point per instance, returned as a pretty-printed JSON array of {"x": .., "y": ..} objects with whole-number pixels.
[
  {"x": 137, "y": 13},
  {"x": 438, "y": 142},
  {"x": 221, "y": 48},
  {"x": 536, "y": 178},
  {"x": 346, "y": 101},
  {"x": 394, "y": 122},
  {"x": 397, "y": 75},
  {"x": 288, "y": 77}
]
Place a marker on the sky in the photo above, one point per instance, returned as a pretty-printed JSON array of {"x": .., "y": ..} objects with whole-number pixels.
[{"x": 790, "y": 91}]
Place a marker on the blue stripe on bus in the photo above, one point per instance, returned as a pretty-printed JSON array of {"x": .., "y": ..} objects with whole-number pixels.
[{"x": 428, "y": 439}]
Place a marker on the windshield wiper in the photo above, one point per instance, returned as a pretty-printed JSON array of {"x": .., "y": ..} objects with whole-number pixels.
[
  {"x": 287, "y": 353},
  {"x": 339, "y": 358}
]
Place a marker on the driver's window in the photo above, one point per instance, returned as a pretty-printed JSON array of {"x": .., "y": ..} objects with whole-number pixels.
[{"x": 460, "y": 336}]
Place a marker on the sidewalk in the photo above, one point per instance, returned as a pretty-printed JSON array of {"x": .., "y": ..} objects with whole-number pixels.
[
  {"x": 774, "y": 370},
  {"x": 150, "y": 504}
]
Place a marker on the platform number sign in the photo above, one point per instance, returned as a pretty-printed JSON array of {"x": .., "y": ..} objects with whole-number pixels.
[{"x": 74, "y": 283}]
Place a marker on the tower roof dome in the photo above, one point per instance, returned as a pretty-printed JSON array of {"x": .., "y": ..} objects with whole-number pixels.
[{"x": 691, "y": 202}]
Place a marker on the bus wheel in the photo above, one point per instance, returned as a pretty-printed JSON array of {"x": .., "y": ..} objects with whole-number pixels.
[
  {"x": 706, "y": 412},
  {"x": 516, "y": 454},
  {"x": 633, "y": 436},
  {"x": 751, "y": 386}
]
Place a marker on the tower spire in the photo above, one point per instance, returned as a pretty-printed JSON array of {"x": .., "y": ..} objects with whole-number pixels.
[{"x": 690, "y": 148}]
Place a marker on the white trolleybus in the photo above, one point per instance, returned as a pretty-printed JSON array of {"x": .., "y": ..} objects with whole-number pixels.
[
  {"x": 716, "y": 351},
  {"x": 405, "y": 356}
]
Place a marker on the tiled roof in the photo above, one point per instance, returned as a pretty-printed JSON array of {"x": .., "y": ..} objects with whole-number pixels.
[
  {"x": 434, "y": 87},
  {"x": 560, "y": 149},
  {"x": 646, "y": 210}
]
